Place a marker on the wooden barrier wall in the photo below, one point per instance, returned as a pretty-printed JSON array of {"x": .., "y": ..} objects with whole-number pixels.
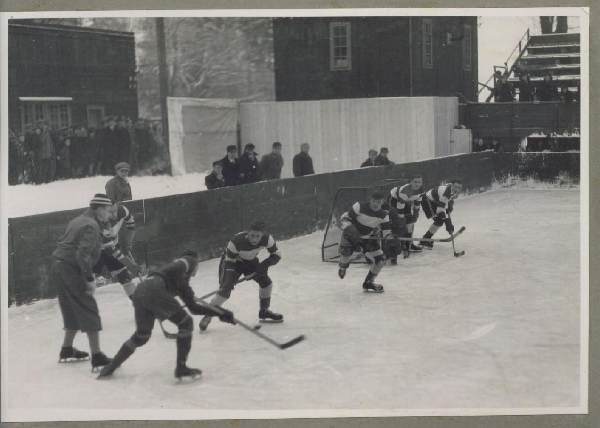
[{"x": 205, "y": 221}]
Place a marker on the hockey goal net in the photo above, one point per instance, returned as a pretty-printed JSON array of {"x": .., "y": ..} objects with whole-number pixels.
[{"x": 343, "y": 200}]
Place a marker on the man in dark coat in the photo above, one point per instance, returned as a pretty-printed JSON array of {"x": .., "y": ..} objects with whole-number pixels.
[
  {"x": 124, "y": 141},
  {"x": 231, "y": 167},
  {"x": 546, "y": 91},
  {"x": 370, "y": 160},
  {"x": 526, "y": 88},
  {"x": 249, "y": 169},
  {"x": 46, "y": 155},
  {"x": 215, "y": 179},
  {"x": 71, "y": 274},
  {"x": 302, "y": 163},
  {"x": 272, "y": 163},
  {"x": 154, "y": 298},
  {"x": 109, "y": 146},
  {"x": 382, "y": 158},
  {"x": 118, "y": 188}
]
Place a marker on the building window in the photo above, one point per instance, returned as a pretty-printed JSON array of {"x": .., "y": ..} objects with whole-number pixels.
[
  {"x": 58, "y": 115},
  {"x": 466, "y": 48},
  {"x": 427, "y": 43},
  {"x": 95, "y": 114},
  {"x": 339, "y": 46}
]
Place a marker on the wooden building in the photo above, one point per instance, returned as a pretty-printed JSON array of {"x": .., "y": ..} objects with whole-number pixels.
[
  {"x": 352, "y": 57},
  {"x": 69, "y": 75}
]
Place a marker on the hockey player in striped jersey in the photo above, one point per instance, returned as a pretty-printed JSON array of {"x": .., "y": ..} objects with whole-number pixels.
[
  {"x": 241, "y": 258},
  {"x": 117, "y": 239},
  {"x": 406, "y": 200},
  {"x": 361, "y": 228},
  {"x": 437, "y": 204}
]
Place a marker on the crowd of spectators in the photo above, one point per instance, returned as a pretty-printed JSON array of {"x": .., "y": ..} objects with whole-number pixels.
[
  {"x": 526, "y": 90},
  {"x": 41, "y": 154},
  {"x": 377, "y": 159},
  {"x": 234, "y": 170}
]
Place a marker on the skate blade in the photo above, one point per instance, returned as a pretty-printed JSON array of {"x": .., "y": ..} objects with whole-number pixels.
[
  {"x": 97, "y": 369},
  {"x": 373, "y": 291},
  {"x": 266, "y": 321},
  {"x": 72, "y": 360},
  {"x": 459, "y": 254},
  {"x": 188, "y": 379}
]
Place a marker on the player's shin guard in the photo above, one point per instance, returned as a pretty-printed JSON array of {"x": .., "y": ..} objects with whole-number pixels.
[{"x": 184, "y": 345}]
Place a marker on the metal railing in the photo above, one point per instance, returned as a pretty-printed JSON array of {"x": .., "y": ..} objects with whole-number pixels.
[{"x": 519, "y": 49}]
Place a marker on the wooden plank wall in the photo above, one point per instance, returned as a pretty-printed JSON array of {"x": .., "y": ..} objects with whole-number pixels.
[{"x": 341, "y": 132}]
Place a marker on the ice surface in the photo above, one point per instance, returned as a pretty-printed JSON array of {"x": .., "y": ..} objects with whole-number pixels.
[
  {"x": 56, "y": 196},
  {"x": 497, "y": 328}
]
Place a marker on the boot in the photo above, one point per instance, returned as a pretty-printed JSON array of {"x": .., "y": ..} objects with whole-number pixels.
[{"x": 70, "y": 354}]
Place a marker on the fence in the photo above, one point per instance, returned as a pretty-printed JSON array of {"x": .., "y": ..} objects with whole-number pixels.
[{"x": 291, "y": 207}]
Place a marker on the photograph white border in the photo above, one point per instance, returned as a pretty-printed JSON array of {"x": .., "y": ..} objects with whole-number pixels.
[{"x": 33, "y": 414}]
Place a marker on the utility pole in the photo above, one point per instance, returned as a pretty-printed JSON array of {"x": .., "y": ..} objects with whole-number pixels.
[{"x": 163, "y": 80}]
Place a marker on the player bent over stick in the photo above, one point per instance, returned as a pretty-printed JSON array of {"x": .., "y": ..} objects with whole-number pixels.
[
  {"x": 360, "y": 228},
  {"x": 241, "y": 257},
  {"x": 438, "y": 203},
  {"x": 116, "y": 254},
  {"x": 77, "y": 251},
  {"x": 406, "y": 200},
  {"x": 154, "y": 298}
]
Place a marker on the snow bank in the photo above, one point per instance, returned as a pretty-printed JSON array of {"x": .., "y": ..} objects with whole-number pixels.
[{"x": 30, "y": 199}]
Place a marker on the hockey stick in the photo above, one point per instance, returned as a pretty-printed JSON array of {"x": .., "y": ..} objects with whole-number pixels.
[
  {"x": 200, "y": 299},
  {"x": 448, "y": 239},
  {"x": 456, "y": 253},
  {"x": 252, "y": 330}
]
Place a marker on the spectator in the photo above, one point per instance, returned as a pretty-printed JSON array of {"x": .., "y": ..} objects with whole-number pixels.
[
  {"x": 272, "y": 163},
  {"x": 504, "y": 91},
  {"x": 46, "y": 155},
  {"x": 302, "y": 163},
  {"x": 526, "y": 89},
  {"x": 215, "y": 179},
  {"x": 92, "y": 154},
  {"x": 109, "y": 146},
  {"x": 79, "y": 151},
  {"x": 382, "y": 158},
  {"x": 118, "y": 188},
  {"x": 124, "y": 141},
  {"x": 496, "y": 146},
  {"x": 15, "y": 159},
  {"x": 63, "y": 159},
  {"x": 546, "y": 91},
  {"x": 370, "y": 160},
  {"x": 144, "y": 142},
  {"x": 249, "y": 170},
  {"x": 231, "y": 167},
  {"x": 479, "y": 145}
]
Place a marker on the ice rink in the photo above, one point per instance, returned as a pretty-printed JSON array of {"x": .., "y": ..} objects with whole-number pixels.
[{"x": 498, "y": 328}]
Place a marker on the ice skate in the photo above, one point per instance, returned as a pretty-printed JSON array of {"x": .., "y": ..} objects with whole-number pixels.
[
  {"x": 99, "y": 360},
  {"x": 68, "y": 354},
  {"x": 267, "y": 316}
]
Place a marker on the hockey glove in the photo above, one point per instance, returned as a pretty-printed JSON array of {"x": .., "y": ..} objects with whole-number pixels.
[
  {"x": 449, "y": 226},
  {"x": 226, "y": 316},
  {"x": 264, "y": 266}
]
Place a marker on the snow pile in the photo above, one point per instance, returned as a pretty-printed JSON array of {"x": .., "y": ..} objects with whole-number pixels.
[
  {"x": 563, "y": 181},
  {"x": 26, "y": 199}
]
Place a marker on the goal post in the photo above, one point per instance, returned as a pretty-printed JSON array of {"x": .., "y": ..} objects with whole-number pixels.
[{"x": 343, "y": 200}]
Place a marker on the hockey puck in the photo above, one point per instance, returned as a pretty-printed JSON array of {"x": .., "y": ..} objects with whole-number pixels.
[{"x": 257, "y": 327}]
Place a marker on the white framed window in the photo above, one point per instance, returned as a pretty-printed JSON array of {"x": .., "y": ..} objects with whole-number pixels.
[
  {"x": 466, "y": 48},
  {"x": 340, "y": 49},
  {"x": 427, "y": 31},
  {"x": 56, "y": 113}
]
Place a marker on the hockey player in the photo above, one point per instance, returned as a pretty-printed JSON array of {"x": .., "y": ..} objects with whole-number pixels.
[
  {"x": 438, "y": 203},
  {"x": 154, "y": 298},
  {"x": 241, "y": 257},
  {"x": 71, "y": 275},
  {"x": 361, "y": 226},
  {"x": 406, "y": 200},
  {"x": 116, "y": 248}
]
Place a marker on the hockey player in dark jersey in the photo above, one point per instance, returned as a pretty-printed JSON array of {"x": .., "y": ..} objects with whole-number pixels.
[
  {"x": 241, "y": 257},
  {"x": 361, "y": 226},
  {"x": 406, "y": 200},
  {"x": 438, "y": 203},
  {"x": 154, "y": 298},
  {"x": 117, "y": 240}
]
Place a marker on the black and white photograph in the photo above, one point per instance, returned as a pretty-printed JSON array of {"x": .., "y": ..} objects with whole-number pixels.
[{"x": 259, "y": 214}]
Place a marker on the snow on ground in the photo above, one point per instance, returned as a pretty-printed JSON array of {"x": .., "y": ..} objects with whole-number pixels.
[
  {"x": 25, "y": 198},
  {"x": 495, "y": 329}
]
